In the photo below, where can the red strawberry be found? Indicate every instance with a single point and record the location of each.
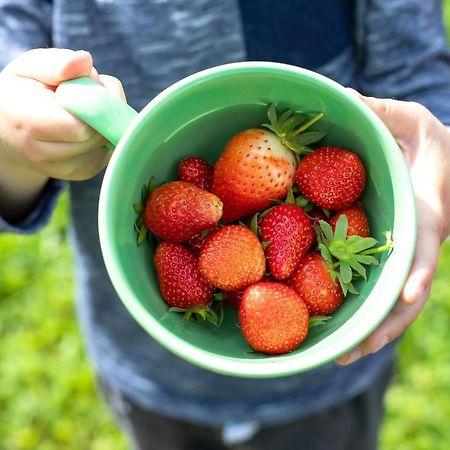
(178, 211)
(357, 220)
(290, 234)
(197, 171)
(312, 281)
(232, 258)
(196, 243)
(273, 318)
(331, 177)
(315, 214)
(233, 298)
(180, 282)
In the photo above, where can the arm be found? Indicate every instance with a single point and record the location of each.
(425, 143)
(39, 140)
(403, 54)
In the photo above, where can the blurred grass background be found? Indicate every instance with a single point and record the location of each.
(48, 399)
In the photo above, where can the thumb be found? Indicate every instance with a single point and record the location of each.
(401, 118)
(51, 66)
(113, 85)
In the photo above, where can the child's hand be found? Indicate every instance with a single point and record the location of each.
(425, 143)
(38, 139)
(34, 130)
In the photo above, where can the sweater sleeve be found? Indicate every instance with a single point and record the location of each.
(24, 24)
(403, 52)
(40, 214)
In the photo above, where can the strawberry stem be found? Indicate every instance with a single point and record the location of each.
(307, 125)
(290, 125)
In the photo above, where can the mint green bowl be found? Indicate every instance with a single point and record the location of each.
(196, 116)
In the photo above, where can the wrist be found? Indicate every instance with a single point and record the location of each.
(20, 188)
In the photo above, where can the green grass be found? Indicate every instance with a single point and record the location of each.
(47, 394)
(48, 399)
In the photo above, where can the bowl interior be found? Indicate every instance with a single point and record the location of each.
(197, 117)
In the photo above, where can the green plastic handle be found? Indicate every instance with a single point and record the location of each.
(94, 105)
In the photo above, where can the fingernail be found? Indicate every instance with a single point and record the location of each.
(353, 356)
(384, 341)
(413, 288)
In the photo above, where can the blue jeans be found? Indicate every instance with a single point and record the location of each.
(352, 425)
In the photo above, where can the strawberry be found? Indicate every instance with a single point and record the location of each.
(232, 258)
(289, 234)
(179, 279)
(258, 166)
(315, 214)
(178, 211)
(357, 220)
(233, 298)
(331, 177)
(313, 281)
(197, 171)
(273, 318)
(196, 243)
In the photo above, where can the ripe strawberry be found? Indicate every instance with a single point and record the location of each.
(357, 220)
(196, 243)
(315, 214)
(197, 171)
(178, 211)
(331, 177)
(290, 235)
(258, 166)
(180, 282)
(232, 258)
(313, 282)
(233, 298)
(273, 318)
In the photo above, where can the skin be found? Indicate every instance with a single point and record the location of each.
(39, 140)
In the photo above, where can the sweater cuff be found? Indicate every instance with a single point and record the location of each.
(40, 215)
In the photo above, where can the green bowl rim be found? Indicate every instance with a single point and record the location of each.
(355, 328)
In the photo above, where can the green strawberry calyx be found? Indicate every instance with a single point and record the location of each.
(291, 128)
(201, 313)
(141, 230)
(346, 256)
(318, 320)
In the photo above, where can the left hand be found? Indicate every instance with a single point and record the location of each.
(425, 143)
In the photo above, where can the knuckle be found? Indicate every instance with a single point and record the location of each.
(83, 132)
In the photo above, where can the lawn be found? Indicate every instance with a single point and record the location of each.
(47, 394)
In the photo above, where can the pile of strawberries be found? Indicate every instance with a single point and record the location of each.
(275, 229)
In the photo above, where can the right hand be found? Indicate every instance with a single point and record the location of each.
(35, 133)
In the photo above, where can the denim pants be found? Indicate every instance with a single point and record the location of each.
(352, 425)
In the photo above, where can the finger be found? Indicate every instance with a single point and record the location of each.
(113, 85)
(34, 115)
(51, 66)
(426, 255)
(401, 118)
(81, 167)
(57, 151)
(392, 327)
